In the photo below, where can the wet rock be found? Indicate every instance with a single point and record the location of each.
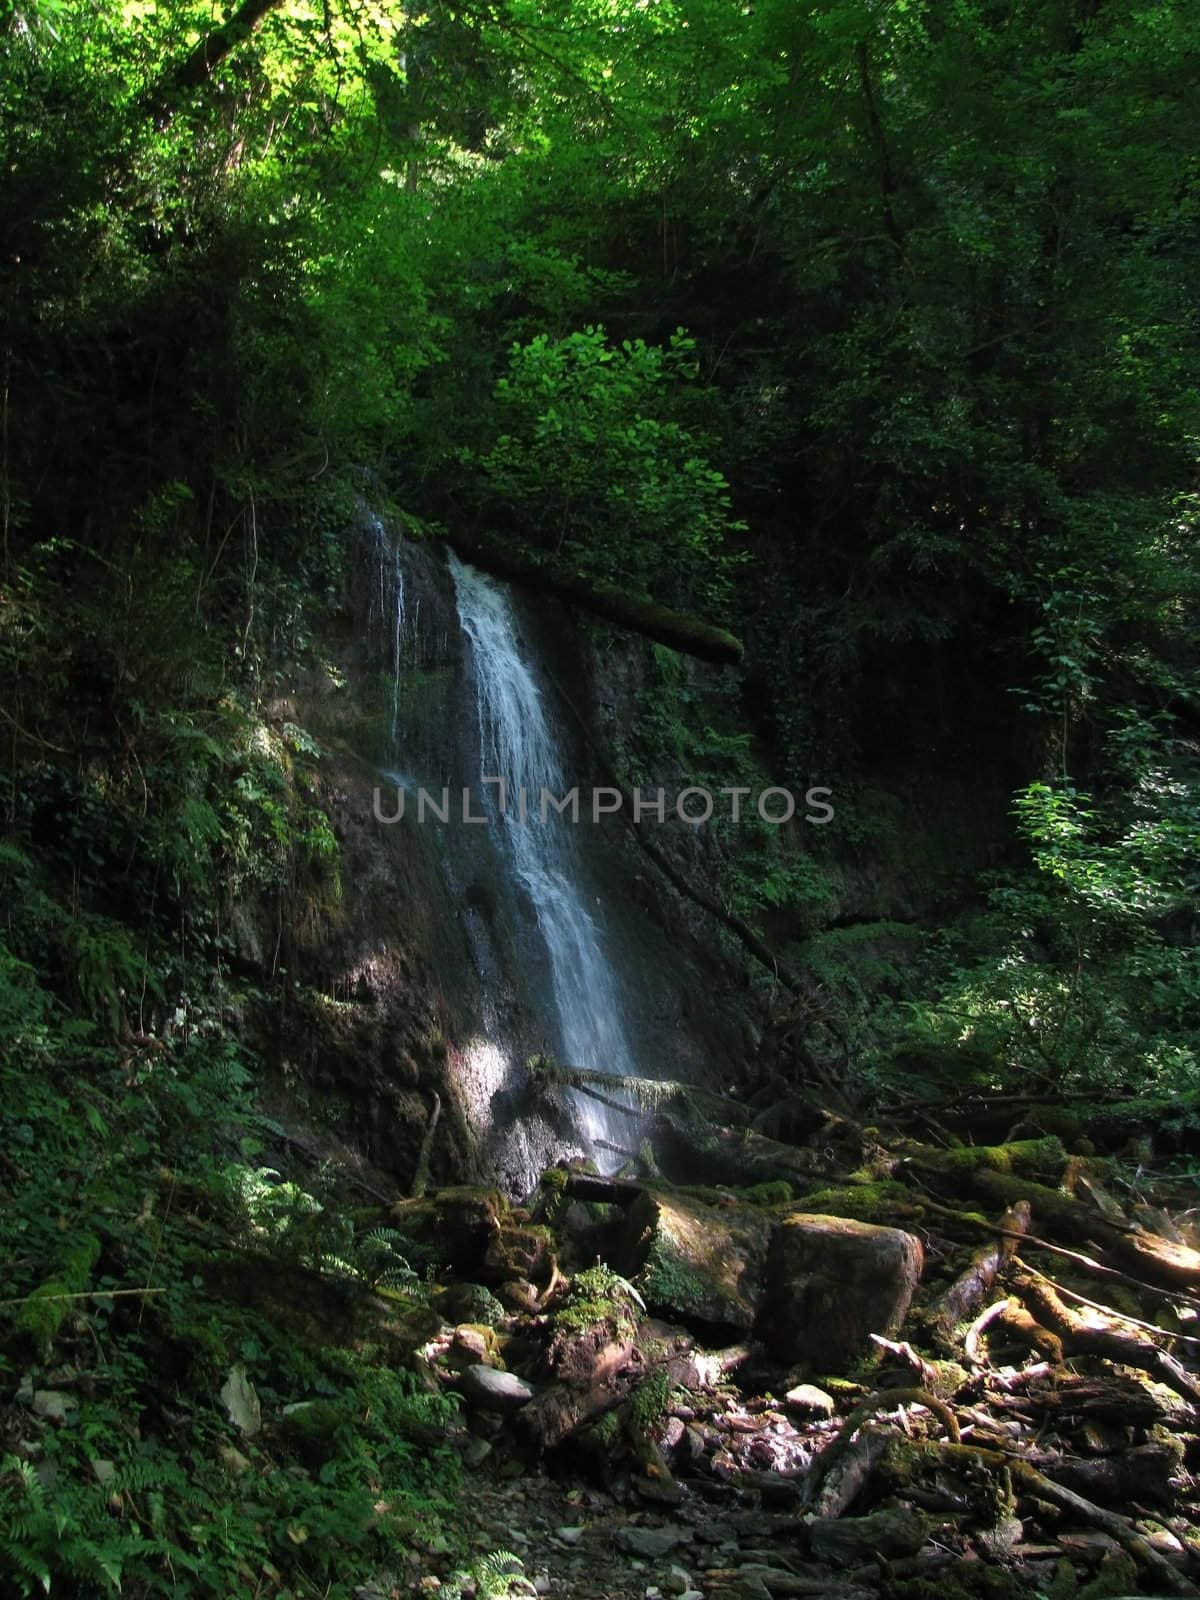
(496, 1391)
(832, 1283)
(696, 1263)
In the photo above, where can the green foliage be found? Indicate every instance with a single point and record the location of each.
(492, 1577)
(599, 1294)
(1081, 973)
(589, 463)
(108, 1192)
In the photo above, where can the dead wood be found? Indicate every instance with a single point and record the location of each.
(1087, 1335)
(971, 1287)
(1031, 1481)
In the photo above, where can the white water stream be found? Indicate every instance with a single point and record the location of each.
(517, 744)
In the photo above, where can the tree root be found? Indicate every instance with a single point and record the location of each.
(1033, 1482)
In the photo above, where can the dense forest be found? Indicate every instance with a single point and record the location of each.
(817, 389)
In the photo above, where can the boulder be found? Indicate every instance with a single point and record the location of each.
(497, 1391)
(696, 1263)
(832, 1282)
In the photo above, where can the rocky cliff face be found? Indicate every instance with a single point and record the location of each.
(423, 989)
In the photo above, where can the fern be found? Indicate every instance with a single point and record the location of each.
(490, 1578)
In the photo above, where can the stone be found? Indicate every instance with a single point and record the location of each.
(496, 1391)
(832, 1282)
(470, 1302)
(517, 1255)
(650, 1544)
(53, 1404)
(695, 1263)
(569, 1535)
(809, 1401)
(677, 1581)
(476, 1452)
(519, 1295)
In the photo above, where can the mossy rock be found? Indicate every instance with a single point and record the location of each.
(696, 1263)
(519, 1254)
(470, 1302)
(832, 1283)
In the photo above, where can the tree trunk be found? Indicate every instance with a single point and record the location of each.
(195, 70)
(633, 612)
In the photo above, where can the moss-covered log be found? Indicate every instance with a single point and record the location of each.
(965, 1295)
(1044, 1158)
(635, 613)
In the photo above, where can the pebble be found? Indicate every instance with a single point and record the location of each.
(677, 1581)
(569, 1535)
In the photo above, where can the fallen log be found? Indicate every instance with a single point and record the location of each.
(970, 1288)
(1146, 1473)
(1171, 1265)
(1112, 1342)
(1032, 1482)
(634, 613)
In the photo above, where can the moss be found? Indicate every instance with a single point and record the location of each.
(667, 1281)
(597, 1295)
(1023, 1156)
(648, 1403)
(777, 1193)
(1064, 1585)
(965, 1580)
(606, 1430)
(880, 1201)
(1118, 1576)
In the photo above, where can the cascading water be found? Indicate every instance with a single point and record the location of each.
(387, 604)
(516, 744)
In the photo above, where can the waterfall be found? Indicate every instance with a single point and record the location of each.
(387, 603)
(516, 743)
